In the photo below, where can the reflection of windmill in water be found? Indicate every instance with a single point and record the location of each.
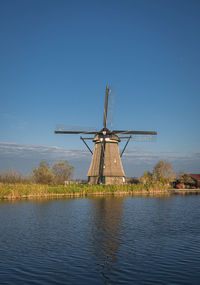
(106, 166)
(107, 217)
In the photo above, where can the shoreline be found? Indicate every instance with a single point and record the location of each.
(185, 191)
(11, 192)
(81, 195)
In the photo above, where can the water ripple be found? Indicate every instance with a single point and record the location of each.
(101, 241)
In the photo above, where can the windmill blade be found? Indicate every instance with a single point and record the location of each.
(144, 138)
(106, 106)
(101, 164)
(61, 129)
(74, 132)
(152, 133)
(111, 99)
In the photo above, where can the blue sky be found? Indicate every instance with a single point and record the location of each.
(56, 57)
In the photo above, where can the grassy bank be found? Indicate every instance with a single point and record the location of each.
(19, 191)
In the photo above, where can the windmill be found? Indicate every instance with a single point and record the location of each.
(106, 166)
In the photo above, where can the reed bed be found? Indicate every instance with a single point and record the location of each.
(20, 191)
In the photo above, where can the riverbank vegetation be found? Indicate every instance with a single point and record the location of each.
(18, 191)
(47, 182)
(60, 172)
(50, 182)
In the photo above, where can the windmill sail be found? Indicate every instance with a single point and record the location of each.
(106, 166)
(106, 106)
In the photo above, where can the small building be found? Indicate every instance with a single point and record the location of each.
(196, 177)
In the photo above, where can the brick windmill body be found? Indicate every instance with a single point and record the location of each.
(106, 166)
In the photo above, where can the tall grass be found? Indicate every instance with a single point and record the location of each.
(18, 191)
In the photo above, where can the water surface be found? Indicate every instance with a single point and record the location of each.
(106, 240)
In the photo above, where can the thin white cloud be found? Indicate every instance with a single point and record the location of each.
(15, 149)
(135, 161)
(28, 151)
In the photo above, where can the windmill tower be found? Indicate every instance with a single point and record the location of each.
(106, 166)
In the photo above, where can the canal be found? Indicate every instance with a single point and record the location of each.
(103, 240)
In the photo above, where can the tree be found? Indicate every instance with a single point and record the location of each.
(163, 172)
(12, 176)
(43, 173)
(62, 171)
(147, 178)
